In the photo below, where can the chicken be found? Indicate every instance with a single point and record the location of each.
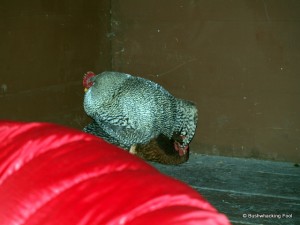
(161, 149)
(133, 111)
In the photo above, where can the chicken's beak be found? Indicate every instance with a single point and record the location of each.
(85, 90)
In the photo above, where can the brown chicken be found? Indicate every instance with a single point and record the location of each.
(162, 150)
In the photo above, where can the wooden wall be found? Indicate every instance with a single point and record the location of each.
(237, 60)
(46, 47)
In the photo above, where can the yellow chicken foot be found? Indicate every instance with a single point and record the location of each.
(132, 150)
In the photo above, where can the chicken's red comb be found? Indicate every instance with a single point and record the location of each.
(87, 83)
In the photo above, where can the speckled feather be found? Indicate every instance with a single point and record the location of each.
(133, 110)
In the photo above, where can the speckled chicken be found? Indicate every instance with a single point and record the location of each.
(133, 110)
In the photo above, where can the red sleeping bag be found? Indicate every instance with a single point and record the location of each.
(54, 175)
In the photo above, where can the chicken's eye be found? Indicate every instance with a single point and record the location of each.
(93, 79)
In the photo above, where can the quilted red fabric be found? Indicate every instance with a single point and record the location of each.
(54, 175)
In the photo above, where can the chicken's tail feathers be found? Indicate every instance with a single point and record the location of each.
(187, 118)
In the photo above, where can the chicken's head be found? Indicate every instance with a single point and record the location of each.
(178, 139)
(87, 80)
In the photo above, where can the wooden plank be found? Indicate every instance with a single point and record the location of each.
(248, 191)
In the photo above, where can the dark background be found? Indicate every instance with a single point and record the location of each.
(238, 60)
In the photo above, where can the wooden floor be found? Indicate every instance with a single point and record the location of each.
(248, 191)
